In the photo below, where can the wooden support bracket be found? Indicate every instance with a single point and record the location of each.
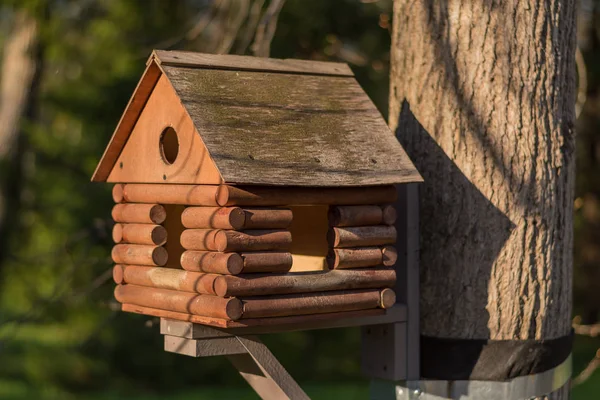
(253, 360)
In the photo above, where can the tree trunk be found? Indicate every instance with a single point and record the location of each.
(482, 97)
(19, 86)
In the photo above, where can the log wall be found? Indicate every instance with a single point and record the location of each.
(195, 250)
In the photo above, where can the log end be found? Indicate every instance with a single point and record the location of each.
(234, 309)
(118, 193)
(332, 259)
(222, 195)
(158, 214)
(237, 218)
(389, 215)
(390, 256)
(199, 239)
(118, 293)
(117, 233)
(220, 286)
(387, 298)
(220, 240)
(160, 256)
(235, 263)
(118, 274)
(114, 253)
(158, 235)
(333, 238)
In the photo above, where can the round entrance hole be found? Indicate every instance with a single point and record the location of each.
(169, 145)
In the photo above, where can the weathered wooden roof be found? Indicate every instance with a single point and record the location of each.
(280, 122)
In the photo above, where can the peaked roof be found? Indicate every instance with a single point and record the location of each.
(274, 122)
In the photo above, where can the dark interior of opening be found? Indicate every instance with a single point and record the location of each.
(169, 145)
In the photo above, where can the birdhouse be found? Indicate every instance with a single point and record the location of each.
(253, 192)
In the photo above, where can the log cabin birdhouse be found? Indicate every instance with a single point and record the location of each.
(253, 191)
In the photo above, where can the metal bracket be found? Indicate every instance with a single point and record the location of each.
(521, 388)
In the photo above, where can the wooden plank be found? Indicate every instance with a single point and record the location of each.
(169, 194)
(291, 130)
(181, 316)
(408, 284)
(282, 324)
(203, 348)
(264, 373)
(128, 120)
(385, 355)
(299, 196)
(392, 351)
(142, 158)
(246, 63)
(269, 284)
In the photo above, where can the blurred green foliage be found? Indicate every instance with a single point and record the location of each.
(61, 334)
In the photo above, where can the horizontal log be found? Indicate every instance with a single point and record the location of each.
(236, 218)
(253, 240)
(316, 303)
(139, 234)
(165, 278)
(192, 195)
(213, 217)
(362, 236)
(358, 257)
(182, 302)
(267, 218)
(266, 261)
(389, 256)
(139, 213)
(268, 284)
(355, 215)
(199, 239)
(212, 261)
(270, 196)
(139, 254)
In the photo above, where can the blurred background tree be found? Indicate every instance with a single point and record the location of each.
(68, 68)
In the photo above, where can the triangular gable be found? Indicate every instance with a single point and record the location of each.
(142, 158)
(128, 120)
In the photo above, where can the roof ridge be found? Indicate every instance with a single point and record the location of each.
(177, 58)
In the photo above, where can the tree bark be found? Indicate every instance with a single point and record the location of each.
(19, 87)
(482, 97)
